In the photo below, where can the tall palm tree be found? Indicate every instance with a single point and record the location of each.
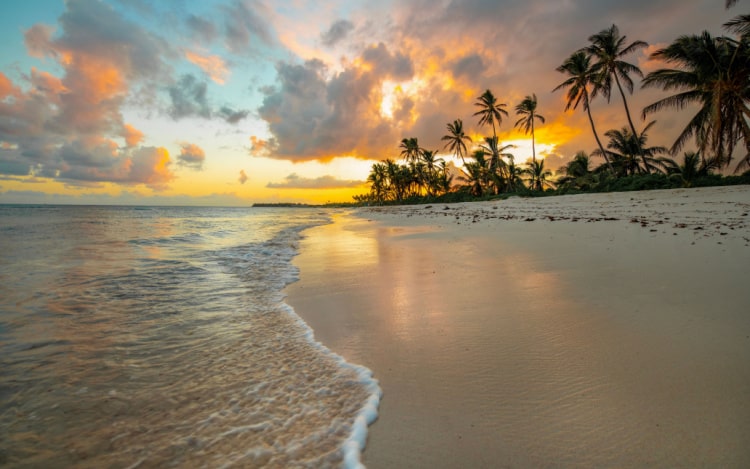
(527, 109)
(714, 73)
(490, 110)
(410, 149)
(578, 68)
(608, 48)
(455, 139)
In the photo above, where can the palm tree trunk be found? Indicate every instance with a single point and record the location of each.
(596, 136)
(636, 136)
(533, 149)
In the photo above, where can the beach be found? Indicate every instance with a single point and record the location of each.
(592, 330)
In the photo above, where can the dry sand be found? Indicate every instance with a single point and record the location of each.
(597, 330)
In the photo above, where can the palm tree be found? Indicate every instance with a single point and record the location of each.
(474, 174)
(739, 25)
(455, 138)
(578, 67)
(608, 48)
(693, 166)
(444, 178)
(378, 179)
(399, 178)
(410, 150)
(538, 176)
(491, 111)
(514, 175)
(496, 168)
(527, 108)
(431, 163)
(713, 73)
(626, 150)
(577, 173)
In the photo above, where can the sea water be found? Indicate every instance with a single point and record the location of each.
(158, 336)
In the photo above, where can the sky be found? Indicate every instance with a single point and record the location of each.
(234, 102)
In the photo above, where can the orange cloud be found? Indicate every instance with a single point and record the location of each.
(132, 135)
(47, 85)
(258, 146)
(7, 88)
(213, 65)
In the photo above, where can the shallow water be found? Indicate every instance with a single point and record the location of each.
(144, 337)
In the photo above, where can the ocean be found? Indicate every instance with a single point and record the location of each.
(158, 336)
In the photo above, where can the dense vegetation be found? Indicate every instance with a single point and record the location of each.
(709, 73)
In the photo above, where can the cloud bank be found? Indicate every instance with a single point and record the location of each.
(295, 181)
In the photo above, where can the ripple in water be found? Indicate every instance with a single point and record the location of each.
(160, 338)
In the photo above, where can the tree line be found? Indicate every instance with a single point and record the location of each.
(707, 72)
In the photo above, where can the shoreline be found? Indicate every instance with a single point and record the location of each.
(594, 329)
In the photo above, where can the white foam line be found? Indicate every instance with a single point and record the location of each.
(368, 413)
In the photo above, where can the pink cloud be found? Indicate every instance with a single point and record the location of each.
(212, 65)
(131, 135)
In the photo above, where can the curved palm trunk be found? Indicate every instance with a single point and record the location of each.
(596, 136)
(632, 127)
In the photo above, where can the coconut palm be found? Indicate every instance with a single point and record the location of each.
(474, 174)
(455, 139)
(527, 109)
(515, 175)
(431, 163)
(538, 176)
(630, 155)
(714, 73)
(410, 149)
(693, 166)
(490, 110)
(739, 25)
(608, 48)
(496, 167)
(578, 68)
(444, 178)
(577, 173)
(378, 179)
(399, 178)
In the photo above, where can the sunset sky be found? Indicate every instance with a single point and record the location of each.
(231, 102)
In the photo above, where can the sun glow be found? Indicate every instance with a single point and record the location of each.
(522, 150)
(396, 96)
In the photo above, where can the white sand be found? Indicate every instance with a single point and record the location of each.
(578, 342)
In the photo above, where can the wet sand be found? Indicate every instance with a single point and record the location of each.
(576, 331)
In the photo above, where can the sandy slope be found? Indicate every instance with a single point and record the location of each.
(588, 330)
